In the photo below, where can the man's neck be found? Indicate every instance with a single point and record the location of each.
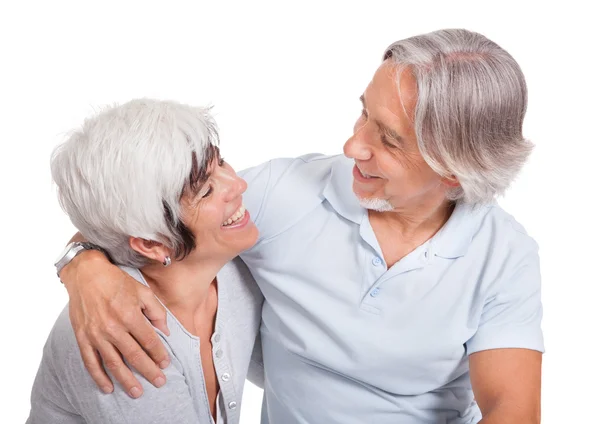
(415, 222)
(399, 232)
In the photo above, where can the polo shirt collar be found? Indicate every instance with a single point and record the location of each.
(454, 238)
(338, 191)
(451, 241)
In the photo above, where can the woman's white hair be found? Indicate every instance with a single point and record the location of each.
(469, 113)
(124, 172)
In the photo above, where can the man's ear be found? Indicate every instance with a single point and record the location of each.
(451, 181)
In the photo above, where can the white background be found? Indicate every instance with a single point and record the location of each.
(285, 80)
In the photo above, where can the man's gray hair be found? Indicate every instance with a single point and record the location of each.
(124, 172)
(469, 113)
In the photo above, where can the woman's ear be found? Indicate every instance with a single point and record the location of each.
(149, 248)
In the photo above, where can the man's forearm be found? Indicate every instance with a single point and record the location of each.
(506, 415)
(67, 274)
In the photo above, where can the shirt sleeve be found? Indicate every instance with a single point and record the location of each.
(258, 197)
(512, 312)
(258, 179)
(62, 367)
(281, 190)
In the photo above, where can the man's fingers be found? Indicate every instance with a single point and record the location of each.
(93, 363)
(154, 311)
(138, 359)
(116, 367)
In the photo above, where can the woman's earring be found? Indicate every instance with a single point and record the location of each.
(167, 261)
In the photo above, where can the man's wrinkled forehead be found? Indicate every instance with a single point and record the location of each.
(394, 88)
(393, 92)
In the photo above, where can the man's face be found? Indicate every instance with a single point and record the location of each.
(390, 172)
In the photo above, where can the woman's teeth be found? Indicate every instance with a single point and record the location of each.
(235, 217)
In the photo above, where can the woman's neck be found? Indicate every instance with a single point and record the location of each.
(183, 285)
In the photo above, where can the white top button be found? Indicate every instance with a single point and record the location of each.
(376, 261)
(232, 405)
(225, 377)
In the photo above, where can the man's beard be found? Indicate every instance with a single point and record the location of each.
(378, 205)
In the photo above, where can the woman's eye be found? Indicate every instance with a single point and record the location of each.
(364, 113)
(221, 161)
(208, 192)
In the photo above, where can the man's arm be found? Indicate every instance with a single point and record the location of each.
(256, 369)
(507, 385)
(505, 353)
(109, 312)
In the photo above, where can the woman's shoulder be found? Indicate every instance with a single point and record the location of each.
(61, 346)
(238, 282)
(240, 301)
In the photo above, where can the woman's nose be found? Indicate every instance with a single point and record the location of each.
(234, 186)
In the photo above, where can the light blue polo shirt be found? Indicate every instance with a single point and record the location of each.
(346, 340)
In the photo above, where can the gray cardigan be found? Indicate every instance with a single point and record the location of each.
(63, 391)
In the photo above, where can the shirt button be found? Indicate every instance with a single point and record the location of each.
(219, 353)
(216, 338)
(376, 261)
(225, 377)
(232, 405)
(375, 292)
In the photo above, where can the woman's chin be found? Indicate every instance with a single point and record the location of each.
(243, 240)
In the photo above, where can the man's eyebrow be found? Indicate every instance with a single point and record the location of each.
(388, 131)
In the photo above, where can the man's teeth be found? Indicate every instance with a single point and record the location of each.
(236, 216)
(363, 174)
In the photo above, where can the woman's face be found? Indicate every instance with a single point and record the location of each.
(216, 215)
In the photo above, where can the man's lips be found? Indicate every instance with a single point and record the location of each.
(365, 177)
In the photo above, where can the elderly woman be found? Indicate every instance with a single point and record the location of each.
(396, 289)
(145, 182)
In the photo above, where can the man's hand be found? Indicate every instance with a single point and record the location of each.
(108, 311)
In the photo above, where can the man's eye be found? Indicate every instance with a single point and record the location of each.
(364, 113)
(221, 161)
(387, 142)
(208, 192)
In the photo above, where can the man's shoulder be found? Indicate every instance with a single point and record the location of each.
(308, 171)
(284, 190)
(502, 244)
(500, 225)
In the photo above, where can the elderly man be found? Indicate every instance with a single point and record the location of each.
(396, 289)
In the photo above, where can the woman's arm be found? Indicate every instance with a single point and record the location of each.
(109, 312)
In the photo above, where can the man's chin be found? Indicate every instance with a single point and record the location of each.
(375, 204)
